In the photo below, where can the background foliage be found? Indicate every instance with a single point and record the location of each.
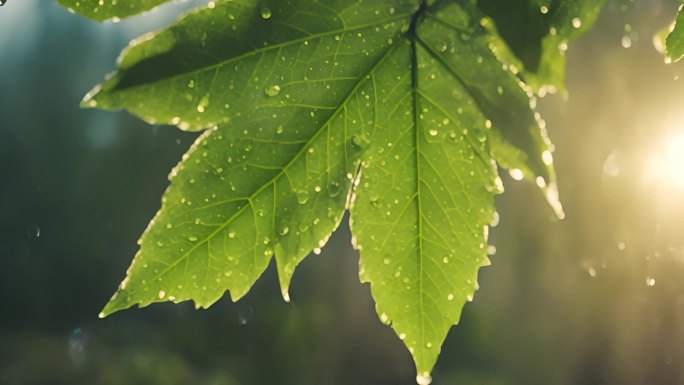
(82, 184)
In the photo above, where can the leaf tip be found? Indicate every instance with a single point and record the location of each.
(89, 100)
(424, 378)
(552, 197)
(286, 295)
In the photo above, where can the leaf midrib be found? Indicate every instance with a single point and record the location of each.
(362, 80)
(254, 52)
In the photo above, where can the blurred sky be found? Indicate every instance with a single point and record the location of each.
(597, 298)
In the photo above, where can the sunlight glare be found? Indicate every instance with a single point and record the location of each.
(674, 163)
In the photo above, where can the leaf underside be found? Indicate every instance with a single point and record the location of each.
(398, 110)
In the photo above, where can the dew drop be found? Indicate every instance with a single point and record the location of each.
(265, 13)
(334, 189)
(273, 90)
(576, 23)
(424, 379)
(302, 197)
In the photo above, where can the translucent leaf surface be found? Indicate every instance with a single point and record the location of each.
(399, 109)
(294, 115)
(109, 9)
(538, 32)
(675, 40)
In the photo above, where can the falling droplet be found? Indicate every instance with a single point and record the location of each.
(424, 379)
(245, 314)
(33, 232)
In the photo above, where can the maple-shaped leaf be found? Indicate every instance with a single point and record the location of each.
(397, 109)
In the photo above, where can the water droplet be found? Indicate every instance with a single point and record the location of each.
(424, 379)
(516, 174)
(273, 90)
(650, 282)
(265, 13)
(302, 197)
(162, 294)
(450, 297)
(284, 230)
(245, 314)
(231, 234)
(611, 167)
(334, 189)
(33, 232)
(192, 239)
(77, 342)
(576, 22)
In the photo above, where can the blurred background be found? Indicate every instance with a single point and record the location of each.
(597, 298)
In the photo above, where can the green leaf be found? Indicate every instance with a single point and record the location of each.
(537, 33)
(294, 112)
(675, 40)
(109, 9)
(397, 109)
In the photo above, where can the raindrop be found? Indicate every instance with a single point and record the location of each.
(650, 282)
(424, 379)
(266, 13)
(611, 167)
(302, 197)
(77, 343)
(273, 90)
(33, 232)
(576, 22)
(516, 174)
(334, 189)
(245, 314)
(626, 41)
